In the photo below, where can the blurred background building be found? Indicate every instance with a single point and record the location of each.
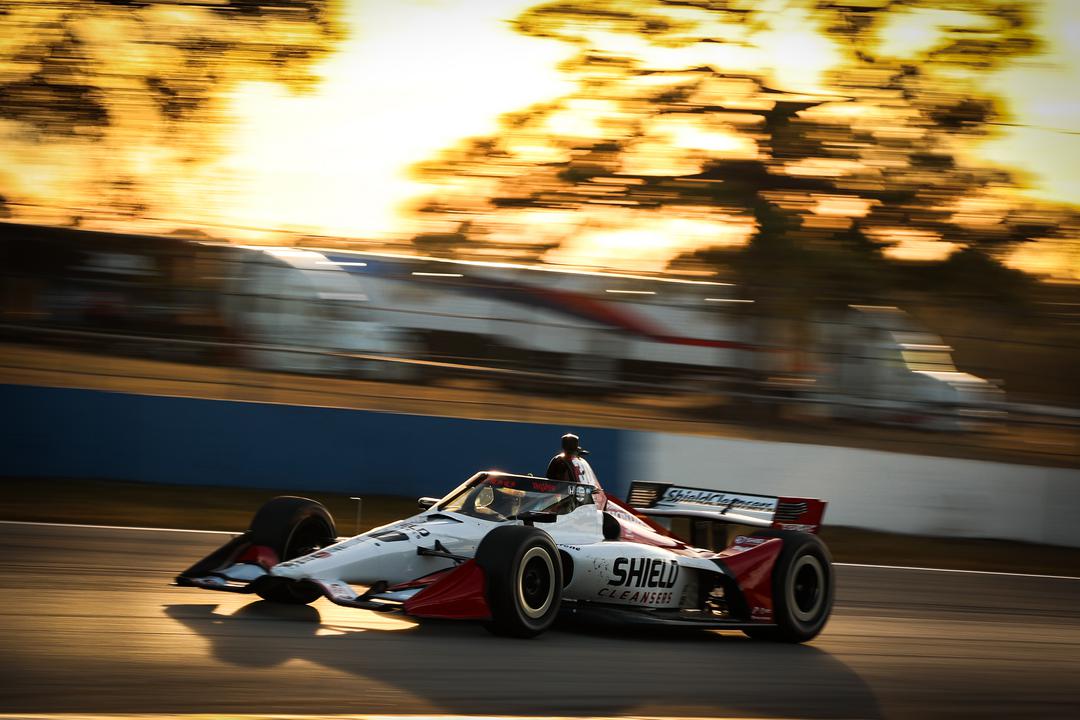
(818, 216)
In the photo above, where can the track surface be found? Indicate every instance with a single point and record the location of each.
(88, 623)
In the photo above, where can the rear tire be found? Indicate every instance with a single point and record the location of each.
(523, 573)
(291, 527)
(802, 588)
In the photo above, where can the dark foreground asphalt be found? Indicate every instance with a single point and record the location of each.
(88, 623)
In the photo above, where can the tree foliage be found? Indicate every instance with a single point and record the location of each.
(75, 67)
(679, 110)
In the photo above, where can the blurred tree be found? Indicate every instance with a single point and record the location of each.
(682, 109)
(109, 93)
(71, 67)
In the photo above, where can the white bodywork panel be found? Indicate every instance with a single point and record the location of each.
(617, 572)
(627, 573)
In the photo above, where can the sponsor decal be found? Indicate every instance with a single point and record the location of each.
(346, 544)
(321, 554)
(798, 527)
(419, 530)
(575, 548)
(644, 597)
(623, 515)
(760, 613)
(497, 481)
(644, 572)
(743, 543)
(725, 500)
(540, 486)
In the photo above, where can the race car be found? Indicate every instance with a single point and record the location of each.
(517, 551)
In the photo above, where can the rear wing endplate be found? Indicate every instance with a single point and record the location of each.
(784, 513)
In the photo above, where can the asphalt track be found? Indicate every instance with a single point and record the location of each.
(89, 624)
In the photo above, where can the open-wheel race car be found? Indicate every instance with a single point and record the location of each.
(515, 551)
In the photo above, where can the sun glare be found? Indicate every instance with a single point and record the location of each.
(1041, 134)
(643, 241)
(412, 79)
(907, 244)
(915, 30)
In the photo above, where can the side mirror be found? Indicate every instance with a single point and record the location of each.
(426, 502)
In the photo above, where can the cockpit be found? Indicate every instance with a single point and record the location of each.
(500, 498)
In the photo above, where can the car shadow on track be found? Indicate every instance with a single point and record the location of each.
(458, 668)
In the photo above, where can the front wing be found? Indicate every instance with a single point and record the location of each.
(240, 566)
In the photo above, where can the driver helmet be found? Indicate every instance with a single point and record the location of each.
(571, 445)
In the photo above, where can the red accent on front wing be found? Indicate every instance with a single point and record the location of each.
(421, 581)
(258, 555)
(753, 571)
(458, 595)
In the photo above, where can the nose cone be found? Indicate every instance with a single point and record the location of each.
(318, 563)
(329, 561)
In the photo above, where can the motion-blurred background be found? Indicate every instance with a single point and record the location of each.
(364, 248)
(848, 222)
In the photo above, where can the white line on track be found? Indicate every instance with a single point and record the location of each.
(227, 532)
(117, 527)
(952, 570)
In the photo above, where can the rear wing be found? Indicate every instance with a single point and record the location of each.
(784, 513)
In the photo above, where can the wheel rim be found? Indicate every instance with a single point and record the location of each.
(536, 582)
(806, 588)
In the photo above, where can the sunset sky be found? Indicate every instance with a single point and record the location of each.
(412, 78)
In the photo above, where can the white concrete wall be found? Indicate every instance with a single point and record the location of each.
(873, 489)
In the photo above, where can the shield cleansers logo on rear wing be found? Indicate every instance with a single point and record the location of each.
(787, 513)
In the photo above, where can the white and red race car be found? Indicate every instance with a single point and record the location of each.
(479, 553)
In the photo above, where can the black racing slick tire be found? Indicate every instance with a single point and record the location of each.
(523, 574)
(803, 586)
(291, 527)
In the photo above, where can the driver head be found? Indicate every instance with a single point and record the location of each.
(571, 445)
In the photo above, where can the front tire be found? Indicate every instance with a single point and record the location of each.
(291, 527)
(523, 571)
(802, 587)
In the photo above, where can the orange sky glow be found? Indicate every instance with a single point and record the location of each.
(412, 78)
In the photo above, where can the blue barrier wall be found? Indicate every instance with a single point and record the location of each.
(93, 434)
